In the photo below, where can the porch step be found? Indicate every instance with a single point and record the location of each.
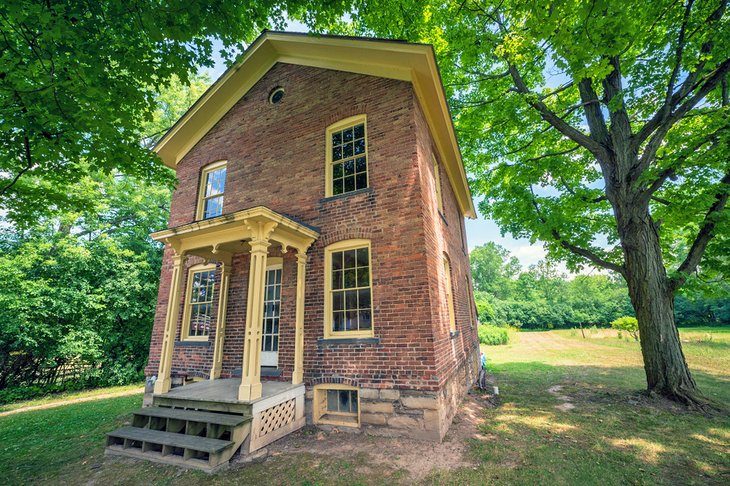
(190, 438)
(181, 441)
(227, 420)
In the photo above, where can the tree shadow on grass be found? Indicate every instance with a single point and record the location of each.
(594, 425)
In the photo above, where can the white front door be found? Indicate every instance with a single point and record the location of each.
(272, 311)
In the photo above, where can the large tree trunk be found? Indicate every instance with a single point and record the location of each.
(652, 297)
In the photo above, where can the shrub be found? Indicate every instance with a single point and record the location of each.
(493, 335)
(628, 324)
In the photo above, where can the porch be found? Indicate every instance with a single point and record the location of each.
(251, 231)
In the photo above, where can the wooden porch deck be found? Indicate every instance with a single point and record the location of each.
(225, 391)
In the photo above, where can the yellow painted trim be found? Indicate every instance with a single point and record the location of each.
(341, 246)
(185, 331)
(335, 127)
(319, 411)
(415, 63)
(273, 263)
(202, 183)
(449, 293)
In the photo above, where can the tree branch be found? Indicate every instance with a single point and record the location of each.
(592, 110)
(558, 123)
(707, 231)
(585, 253)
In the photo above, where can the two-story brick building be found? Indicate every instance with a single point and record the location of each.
(315, 265)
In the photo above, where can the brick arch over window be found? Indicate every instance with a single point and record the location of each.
(345, 233)
(346, 112)
(336, 380)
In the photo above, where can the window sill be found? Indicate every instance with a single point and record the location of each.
(270, 372)
(339, 420)
(193, 344)
(347, 194)
(351, 340)
(453, 334)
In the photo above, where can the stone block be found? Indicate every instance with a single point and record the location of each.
(405, 422)
(373, 418)
(368, 394)
(376, 407)
(389, 394)
(420, 402)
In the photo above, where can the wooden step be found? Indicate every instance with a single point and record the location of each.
(194, 416)
(182, 441)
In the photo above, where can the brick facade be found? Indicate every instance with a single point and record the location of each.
(276, 158)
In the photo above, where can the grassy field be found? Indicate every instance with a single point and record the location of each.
(571, 413)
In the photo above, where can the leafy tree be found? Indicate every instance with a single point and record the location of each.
(598, 128)
(78, 81)
(628, 324)
(493, 269)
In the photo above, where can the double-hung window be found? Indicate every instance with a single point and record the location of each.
(198, 314)
(347, 158)
(212, 190)
(348, 290)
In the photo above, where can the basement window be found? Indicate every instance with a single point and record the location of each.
(337, 404)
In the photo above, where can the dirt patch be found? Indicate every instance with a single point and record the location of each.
(418, 458)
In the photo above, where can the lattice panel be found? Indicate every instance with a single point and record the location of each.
(276, 417)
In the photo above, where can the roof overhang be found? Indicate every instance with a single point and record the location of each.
(226, 235)
(415, 63)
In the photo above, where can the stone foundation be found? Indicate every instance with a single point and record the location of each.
(425, 415)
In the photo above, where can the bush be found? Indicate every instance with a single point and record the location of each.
(493, 335)
(628, 324)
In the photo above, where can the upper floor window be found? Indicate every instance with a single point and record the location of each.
(437, 183)
(347, 159)
(348, 284)
(212, 189)
(198, 314)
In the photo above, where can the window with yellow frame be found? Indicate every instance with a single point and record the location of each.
(212, 191)
(198, 313)
(336, 404)
(449, 293)
(347, 156)
(348, 290)
(437, 183)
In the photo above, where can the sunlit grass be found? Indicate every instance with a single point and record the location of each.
(69, 396)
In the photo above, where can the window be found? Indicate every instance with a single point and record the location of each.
(347, 164)
(437, 183)
(337, 405)
(348, 283)
(212, 188)
(449, 293)
(198, 314)
(272, 313)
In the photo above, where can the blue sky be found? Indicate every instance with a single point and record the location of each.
(479, 231)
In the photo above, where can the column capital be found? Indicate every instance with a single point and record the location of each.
(179, 258)
(301, 257)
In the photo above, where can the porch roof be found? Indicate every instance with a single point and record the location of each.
(230, 233)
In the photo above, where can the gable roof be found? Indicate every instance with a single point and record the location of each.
(400, 60)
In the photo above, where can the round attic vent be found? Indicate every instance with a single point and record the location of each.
(276, 95)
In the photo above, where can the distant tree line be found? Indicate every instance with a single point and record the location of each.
(542, 297)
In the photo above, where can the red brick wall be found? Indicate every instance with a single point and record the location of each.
(445, 234)
(276, 158)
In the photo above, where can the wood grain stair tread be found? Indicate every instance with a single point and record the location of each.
(194, 416)
(194, 442)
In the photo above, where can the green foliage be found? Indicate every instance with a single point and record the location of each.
(79, 83)
(493, 335)
(79, 289)
(628, 324)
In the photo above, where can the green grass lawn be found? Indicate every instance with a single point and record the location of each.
(612, 435)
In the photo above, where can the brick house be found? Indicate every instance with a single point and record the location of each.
(316, 254)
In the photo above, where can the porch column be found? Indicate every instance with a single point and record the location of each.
(220, 331)
(162, 385)
(298, 374)
(250, 388)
